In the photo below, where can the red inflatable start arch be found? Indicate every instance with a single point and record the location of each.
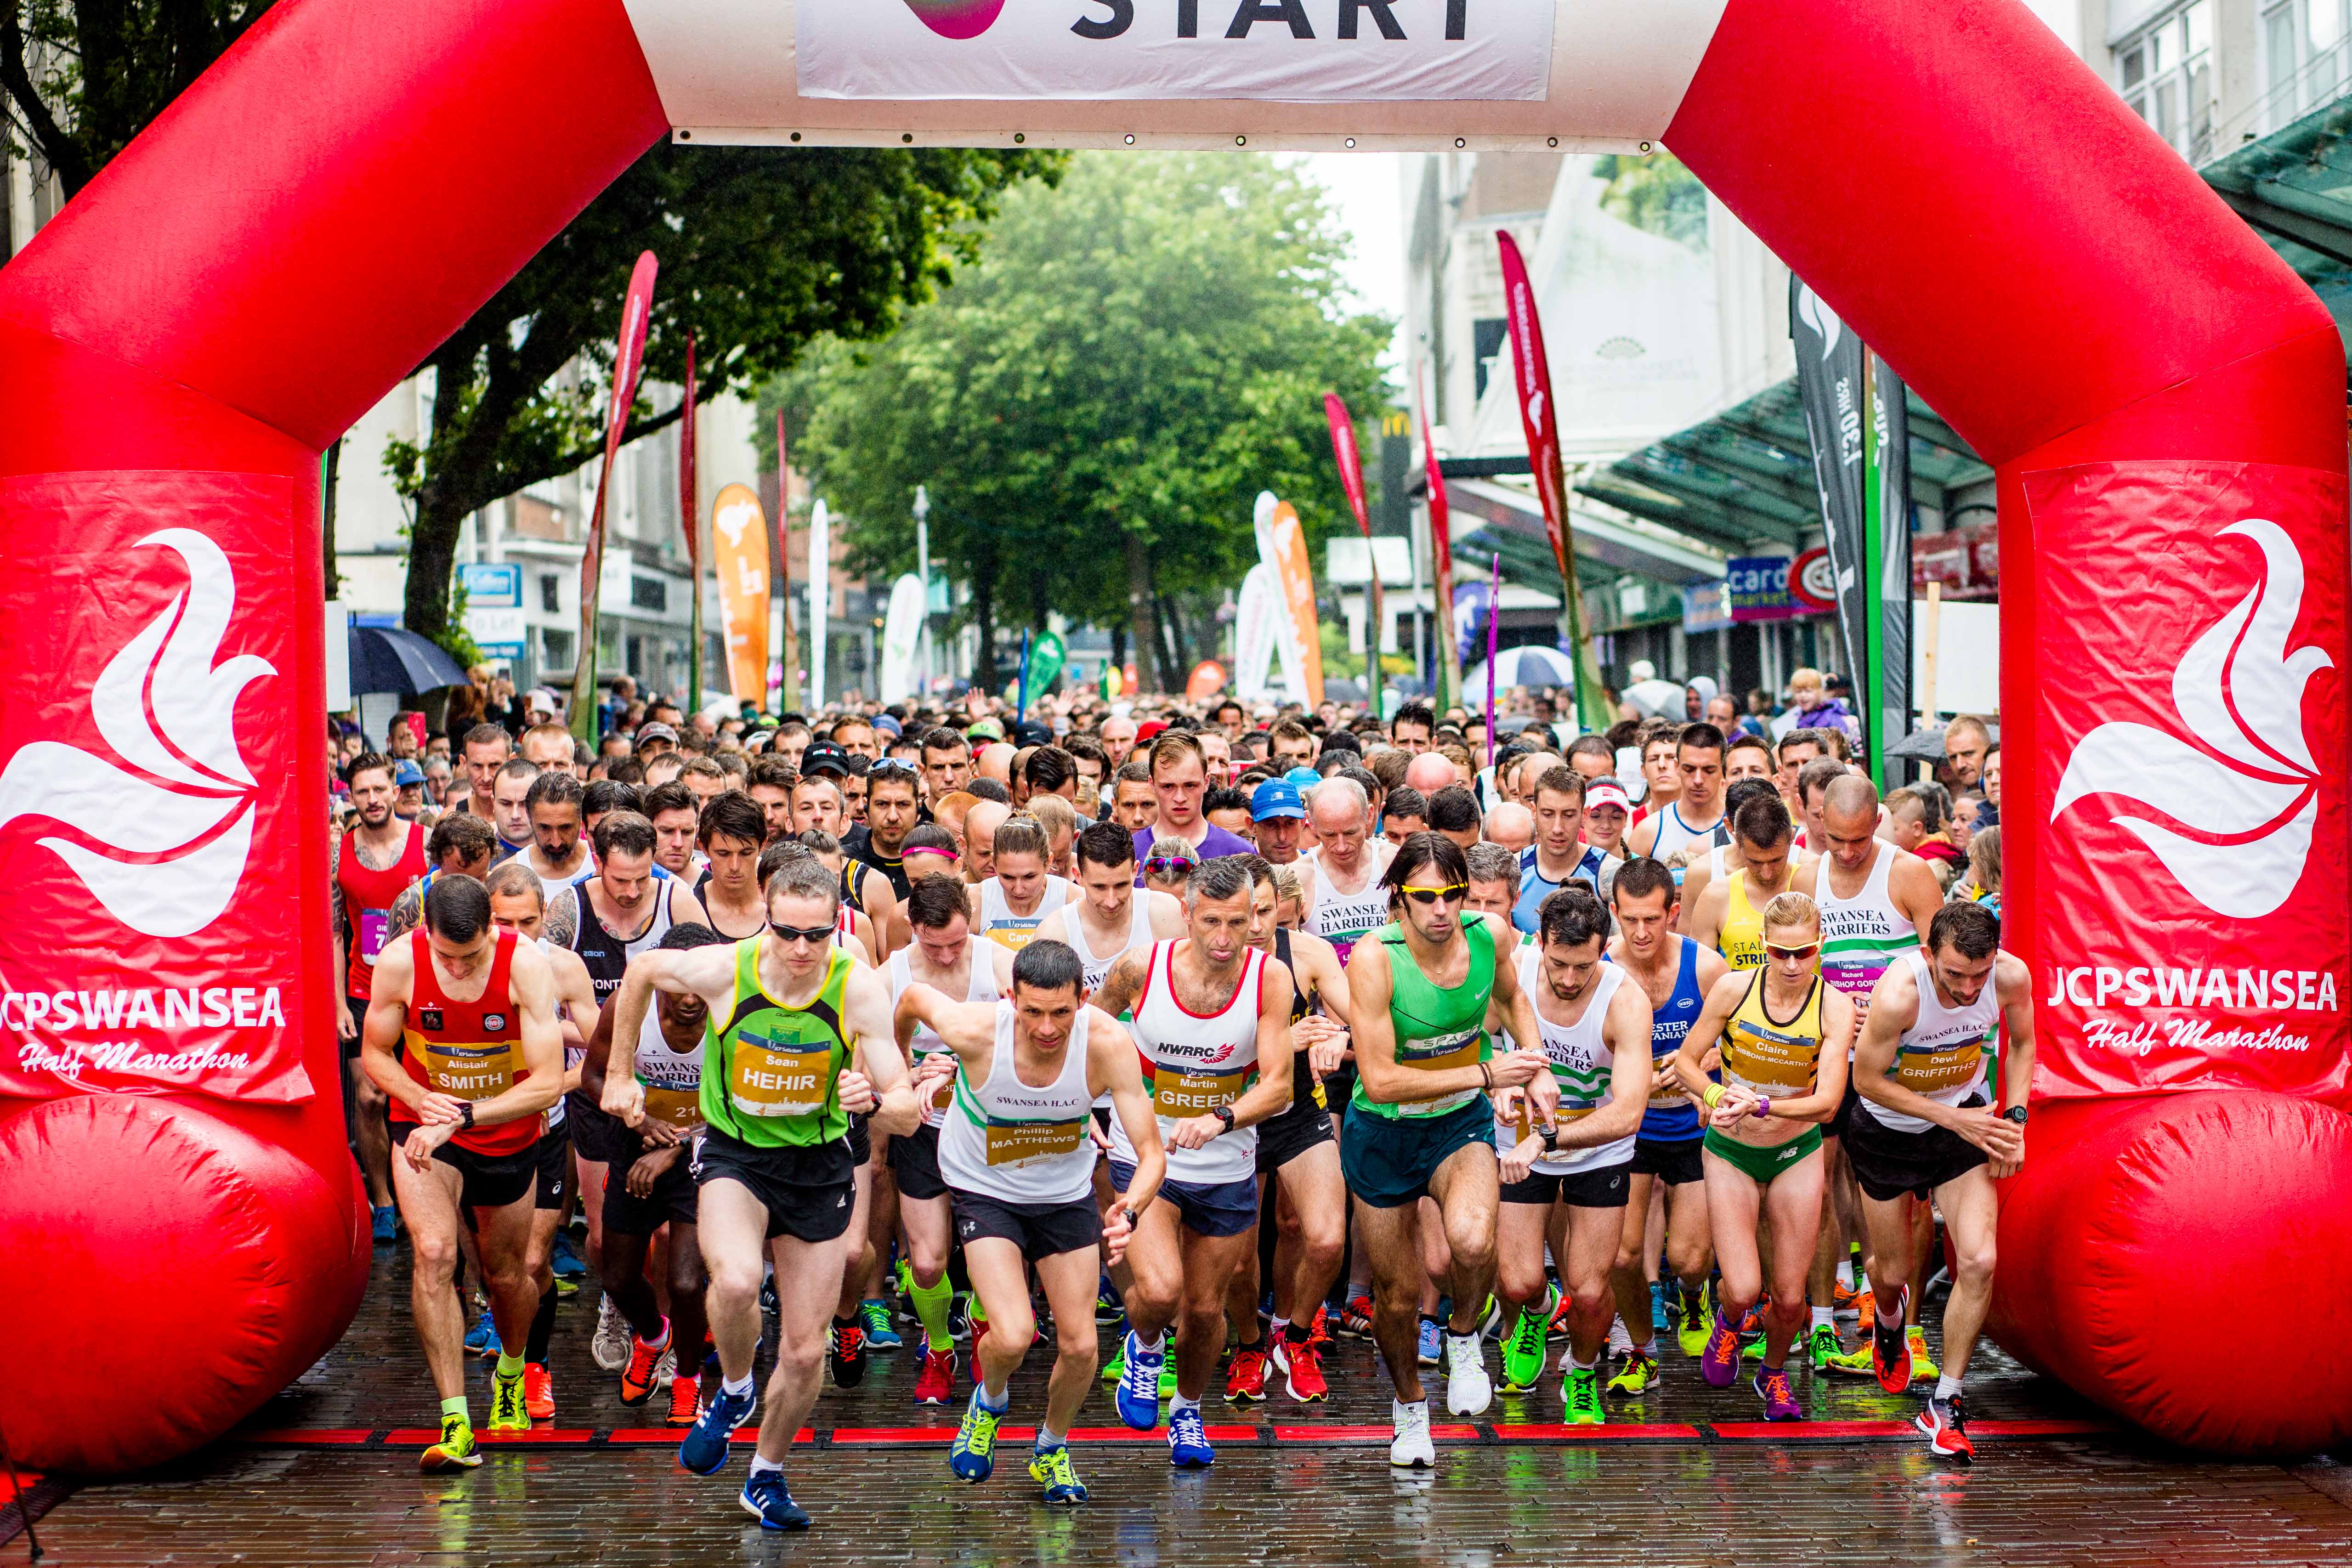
(2163, 399)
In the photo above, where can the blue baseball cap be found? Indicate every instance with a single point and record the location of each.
(405, 774)
(1302, 779)
(1276, 798)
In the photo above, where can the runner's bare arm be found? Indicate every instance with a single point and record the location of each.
(1830, 1075)
(575, 994)
(1704, 923)
(595, 1064)
(1055, 928)
(344, 1028)
(1644, 838)
(881, 908)
(1722, 999)
(387, 1016)
(406, 910)
(878, 1071)
(1524, 1065)
(1117, 994)
(562, 923)
(684, 907)
(1698, 881)
(1112, 1069)
(1913, 889)
(1270, 1095)
(1626, 1028)
(2016, 983)
(530, 984)
(969, 1028)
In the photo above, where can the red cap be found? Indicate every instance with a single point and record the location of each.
(1147, 728)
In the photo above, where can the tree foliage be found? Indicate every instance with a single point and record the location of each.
(762, 250)
(1657, 194)
(1095, 407)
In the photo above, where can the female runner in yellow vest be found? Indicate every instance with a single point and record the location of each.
(1784, 1037)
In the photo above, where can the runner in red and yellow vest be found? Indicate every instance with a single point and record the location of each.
(469, 1087)
(364, 896)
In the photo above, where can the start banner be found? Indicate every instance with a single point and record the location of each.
(148, 798)
(2185, 909)
(1307, 51)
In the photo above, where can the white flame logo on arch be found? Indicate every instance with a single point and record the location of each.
(2254, 794)
(167, 711)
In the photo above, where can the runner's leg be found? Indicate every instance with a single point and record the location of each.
(732, 1231)
(1629, 1280)
(1585, 1241)
(371, 1135)
(1209, 1262)
(1069, 1279)
(1733, 1200)
(1388, 1243)
(503, 1235)
(808, 1283)
(1971, 1215)
(1795, 1202)
(1001, 1279)
(1467, 1188)
(1314, 1219)
(428, 1207)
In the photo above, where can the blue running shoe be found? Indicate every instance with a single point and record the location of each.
(567, 1264)
(1051, 1468)
(972, 1455)
(1187, 1444)
(1658, 1323)
(767, 1498)
(482, 1339)
(385, 1222)
(704, 1452)
(1138, 1385)
(1429, 1342)
(875, 1315)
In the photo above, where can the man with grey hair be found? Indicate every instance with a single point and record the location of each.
(1339, 877)
(1210, 1012)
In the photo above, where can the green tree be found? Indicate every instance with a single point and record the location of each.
(761, 251)
(1096, 404)
(1657, 194)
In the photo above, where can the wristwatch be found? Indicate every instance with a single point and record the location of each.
(1551, 1140)
(465, 1112)
(1130, 1216)
(1223, 1114)
(2014, 1114)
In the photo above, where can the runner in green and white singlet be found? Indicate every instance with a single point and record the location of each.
(1420, 1122)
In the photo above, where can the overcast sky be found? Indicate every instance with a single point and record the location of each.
(1363, 186)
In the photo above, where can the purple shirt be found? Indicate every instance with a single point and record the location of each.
(1218, 842)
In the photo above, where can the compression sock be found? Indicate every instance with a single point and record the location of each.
(931, 1304)
(542, 1326)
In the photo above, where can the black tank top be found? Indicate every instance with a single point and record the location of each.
(701, 897)
(1303, 1087)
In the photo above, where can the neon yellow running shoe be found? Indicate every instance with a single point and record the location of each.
(972, 1455)
(1581, 1391)
(1524, 1353)
(455, 1451)
(1051, 1468)
(1921, 1367)
(1692, 1334)
(508, 1413)
(1640, 1371)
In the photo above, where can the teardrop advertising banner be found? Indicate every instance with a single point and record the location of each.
(739, 531)
(1256, 614)
(902, 627)
(1208, 679)
(1282, 544)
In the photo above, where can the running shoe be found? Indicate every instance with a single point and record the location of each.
(704, 1452)
(1947, 1427)
(1318, 1334)
(682, 1406)
(1772, 1386)
(1719, 1363)
(1491, 1323)
(1410, 1447)
(1692, 1334)
(1847, 1302)
(1108, 1309)
(935, 1382)
(611, 1345)
(1468, 1389)
(1823, 1346)
(1051, 1468)
(508, 1413)
(566, 1262)
(1245, 1378)
(1138, 1385)
(1640, 1371)
(455, 1451)
(482, 1339)
(1751, 1332)
(637, 1377)
(767, 1498)
(1430, 1346)
(960, 1316)
(385, 1224)
(1556, 1305)
(1855, 1363)
(845, 1352)
(666, 1367)
(1658, 1323)
(768, 1306)
(1922, 1364)
(1356, 1322)
(1188, 1441)
(972, 1455)
(1116, 1367)
(1524, 1354)
(1302, 1367)
(1580, 1392)
(1890, 1350)
(538, 1391)
(875, 1314)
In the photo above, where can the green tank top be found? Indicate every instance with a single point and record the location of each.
(1436, 1028)
(771, 1075)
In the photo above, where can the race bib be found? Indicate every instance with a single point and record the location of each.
(1019, 1143)
(470, 1072)
(1198, 1093)
(1930, 1071)
(679, 1107)
(374, 924)
(764, 1081)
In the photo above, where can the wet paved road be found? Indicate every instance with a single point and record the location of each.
(1298, 1488)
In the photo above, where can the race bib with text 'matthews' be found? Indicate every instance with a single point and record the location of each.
(1019, 1143)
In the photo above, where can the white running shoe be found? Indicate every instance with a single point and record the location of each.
(1468, 1389)
(665, 1369)
(1411, 1448)
(611, 1345)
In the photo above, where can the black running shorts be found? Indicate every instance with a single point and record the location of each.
(915, 1164)
(1604, 1187)
(1888, 1163)
(806, 1188)
(1041, 1230)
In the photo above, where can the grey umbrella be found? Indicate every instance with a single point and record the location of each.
(395, 660)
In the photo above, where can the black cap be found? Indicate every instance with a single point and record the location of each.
(823, 756)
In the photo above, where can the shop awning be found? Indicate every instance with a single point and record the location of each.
(2294, 187)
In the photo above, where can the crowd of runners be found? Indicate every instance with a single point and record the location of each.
(1182, 1037)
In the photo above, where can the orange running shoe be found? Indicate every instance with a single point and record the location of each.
(538, 1391)
(637, 1377)
(1319, 1332)
(682, 1406)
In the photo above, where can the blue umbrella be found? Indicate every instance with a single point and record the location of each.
(391, 659)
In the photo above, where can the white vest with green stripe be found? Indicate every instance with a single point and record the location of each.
(1582, 1063)
(1017, 1144)
(1862, 935)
